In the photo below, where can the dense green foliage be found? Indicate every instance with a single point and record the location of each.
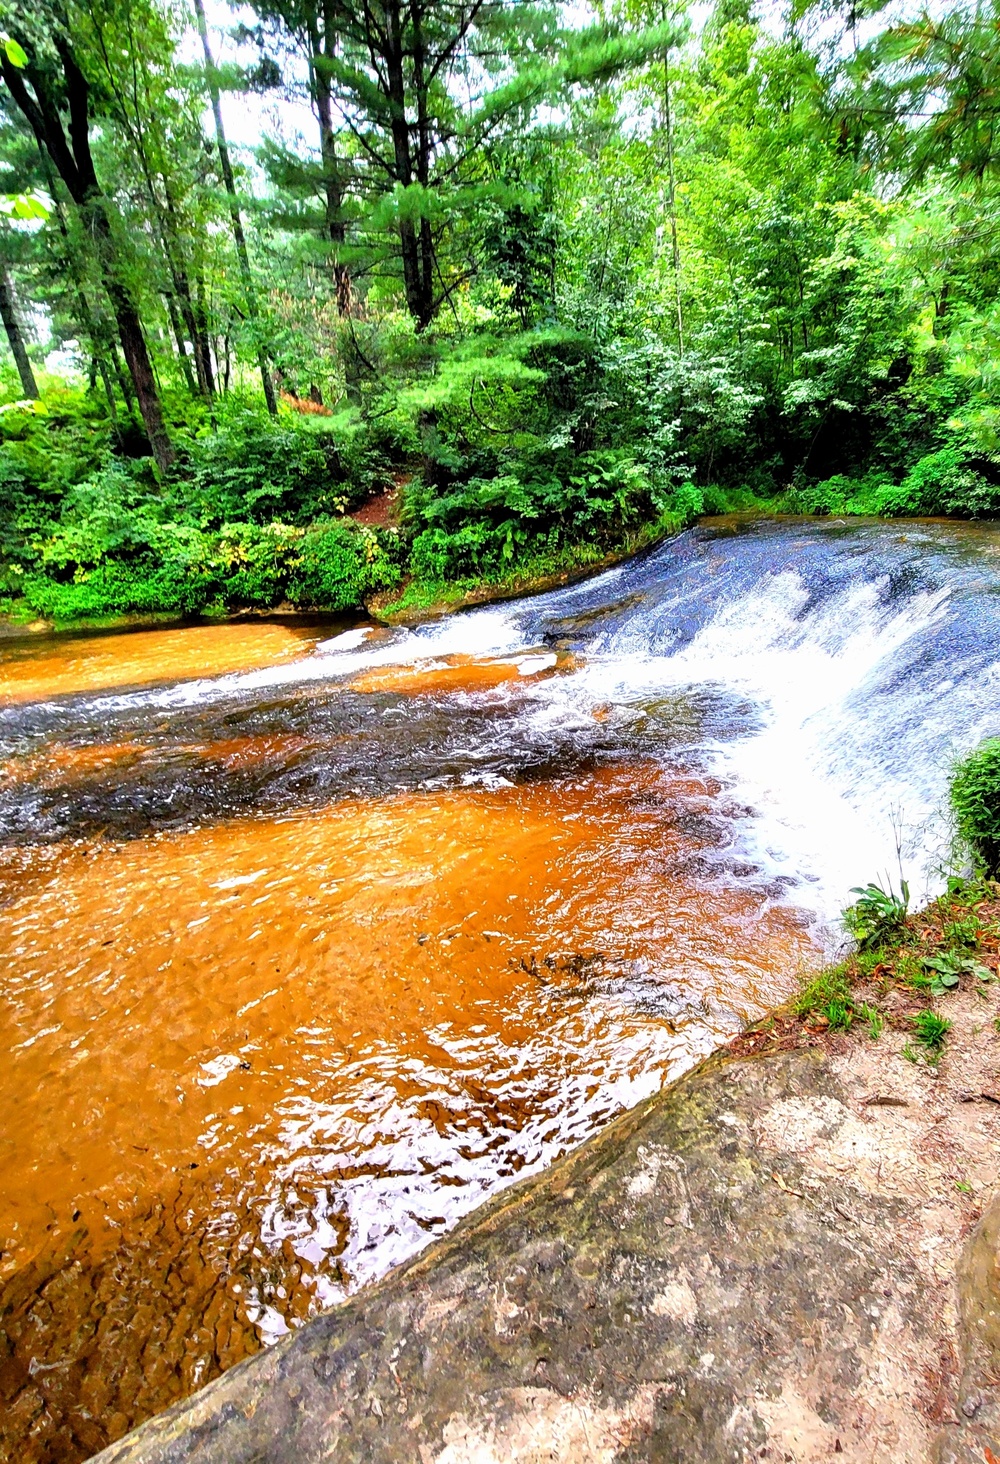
(567, 286)
(975, 804)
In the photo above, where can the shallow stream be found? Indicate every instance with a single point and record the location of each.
(315, 938)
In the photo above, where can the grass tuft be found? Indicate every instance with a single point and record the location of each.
(930, 1029)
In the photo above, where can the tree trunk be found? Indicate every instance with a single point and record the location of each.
(672, 197)
(234, 207)
(182, 346)
(74, 163)
(193, 316)
(15, 339)
(333, 188)
(99, 337)
(133, 342)
(174, 253)
(403, 166)
(423, 166)
(179, 304)
(203, 342)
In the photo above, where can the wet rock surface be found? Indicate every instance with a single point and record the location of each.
(770, 1260)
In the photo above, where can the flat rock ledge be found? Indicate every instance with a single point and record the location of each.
(784, 1257)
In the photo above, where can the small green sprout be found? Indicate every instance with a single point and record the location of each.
(963, 932)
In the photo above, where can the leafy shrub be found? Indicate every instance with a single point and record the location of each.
(110, 512)
(253, 562)
(716, 500)
(254, 469)
(475, 549)
(839, 494)
(974, 794)
(113, 551)
(541, 503)
(294, 469)
(110, 553)
(943, 483)
(116, 588)
(57, 446)
(338, 565)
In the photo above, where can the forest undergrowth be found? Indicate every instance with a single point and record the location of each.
(570, 277)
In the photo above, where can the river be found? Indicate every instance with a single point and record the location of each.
(314, 937)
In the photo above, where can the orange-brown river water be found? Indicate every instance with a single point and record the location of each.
(31, 669)
(317, 1039)
(310, 945)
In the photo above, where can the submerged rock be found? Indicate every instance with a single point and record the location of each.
(760, 1263)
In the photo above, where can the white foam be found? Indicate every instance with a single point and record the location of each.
(830, 795)
(486, 632)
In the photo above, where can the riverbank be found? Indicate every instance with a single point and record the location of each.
(355, 940)
(416, 600)
(427, 600)
(413, 601)
(790, 1253)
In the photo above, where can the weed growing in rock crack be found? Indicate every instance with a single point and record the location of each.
(829, 997)
(951, 944)
(908, 969)
(867, 964)
(930, 1030)
(840, 1015)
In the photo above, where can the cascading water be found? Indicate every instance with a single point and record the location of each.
(854, 660)
(305, 960)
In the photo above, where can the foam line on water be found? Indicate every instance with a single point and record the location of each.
(486, 632)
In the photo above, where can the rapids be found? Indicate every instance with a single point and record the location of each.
(315, 938)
